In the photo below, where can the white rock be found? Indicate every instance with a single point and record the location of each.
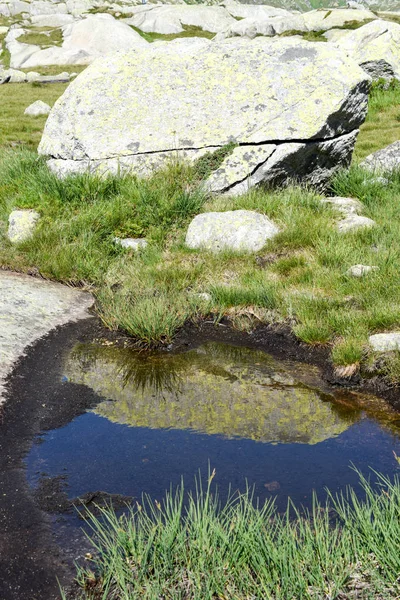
(385, 342)
(239, 230)
(354, 222)
(32, 76)
(151, 102)
(54, 20)
(134, 244)
(99, 35)
(386, 159)
(321, 20)
(12, 76)
(84, 41)
(344, 205)
(361, 270)
(37, 108)
(255, 11)
(21, 224)
(171, 19)
(375, 47)
(204, 296)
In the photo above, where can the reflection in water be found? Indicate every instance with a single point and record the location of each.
(215, 389)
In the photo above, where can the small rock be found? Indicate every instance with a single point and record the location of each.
(134, 244)
(21, 225)
(385, 342)
(345, 205)
(37, 108)
(239, 230)
(353, 222)
(381, 180)
(32, 76)
(204, 296)
(361, 270)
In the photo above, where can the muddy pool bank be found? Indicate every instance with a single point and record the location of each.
(35, 548)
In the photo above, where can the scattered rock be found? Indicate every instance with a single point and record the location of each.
(240, 230)
(21, 225)
(361, 270)
(385, 342)
(346, 206)
(204, 296)
(134, 244)
(283, 92)
(37, 108)
(354, 222)
(386, 159)
(12, 76)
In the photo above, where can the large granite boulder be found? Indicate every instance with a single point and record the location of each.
(286, 109)
(375, 47)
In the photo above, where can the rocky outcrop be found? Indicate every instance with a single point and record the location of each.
(172, 19)
(83, 41)
(288, 109)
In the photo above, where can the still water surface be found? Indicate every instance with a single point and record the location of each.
(271, 424)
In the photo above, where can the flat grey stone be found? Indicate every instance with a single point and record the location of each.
(29, 309)
(385, 342)
(238, 230)
(21, 224)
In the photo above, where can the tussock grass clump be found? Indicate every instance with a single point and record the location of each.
(193, 547)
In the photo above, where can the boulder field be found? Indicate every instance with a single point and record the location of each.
(283, 109)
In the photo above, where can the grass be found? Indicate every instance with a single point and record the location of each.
(382, 125)
(45, 37)
(299, 277)
(194, 547)
(189, 31)
(15, 127)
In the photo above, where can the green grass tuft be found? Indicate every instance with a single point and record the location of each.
(193, 546)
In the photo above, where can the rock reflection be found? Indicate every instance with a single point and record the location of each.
(215, 389)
